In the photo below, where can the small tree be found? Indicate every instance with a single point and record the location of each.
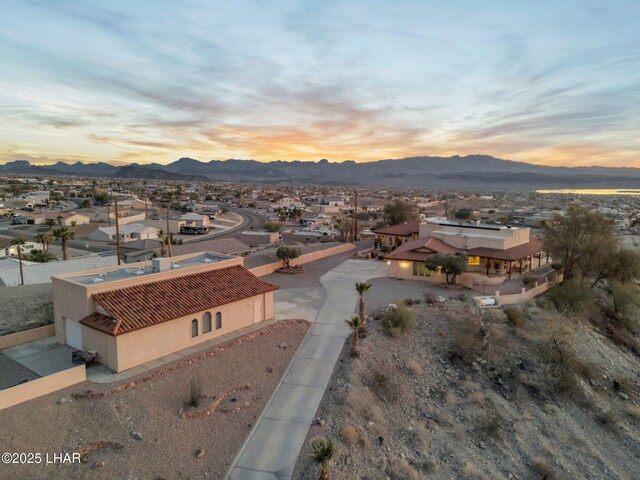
(463, 214)
(451, 264)
(399, 211)
(362, 288)
(354, 324)
(85, 204)
(272, 227)
(398, 320)
(50, 222)
(287, 254)
(195, 391)
(322, 451)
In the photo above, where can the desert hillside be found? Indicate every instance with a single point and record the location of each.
(541, 391)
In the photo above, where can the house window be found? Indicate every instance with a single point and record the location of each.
(206, 323)
(218, 320)
(474, 260)
(420, 270)
(194, 328)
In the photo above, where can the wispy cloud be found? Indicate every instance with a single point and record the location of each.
(544, 82)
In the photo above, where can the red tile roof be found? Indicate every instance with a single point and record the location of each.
(419, 250)
(140, 306)
(402, 230)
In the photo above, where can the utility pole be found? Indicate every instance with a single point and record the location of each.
(355, 219)
(168, 231)
(146, 205)
(108, 215)
(115, 203)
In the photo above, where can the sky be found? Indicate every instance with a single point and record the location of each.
(553, 82)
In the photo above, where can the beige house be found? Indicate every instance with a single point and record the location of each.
(136, 313)
(495, 253)
(68, 219)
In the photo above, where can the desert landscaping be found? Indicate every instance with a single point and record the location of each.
(519, 393)
(185, 420)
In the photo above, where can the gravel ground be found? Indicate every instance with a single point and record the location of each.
(169, 445)
(25, 307)
(408, 409)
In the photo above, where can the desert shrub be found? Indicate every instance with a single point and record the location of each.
(400, 469)
(465, 337)
(414, 367)
(385, 386)
(515, 315)
(408, 301)
(420, 437)
(527, 279)
(542, 467)
(626, 301)
(471, 472)
(490, 424)
(430, 297)
(272, 227)
(571, 297)
(633, 411)
(195, 391)
(399, 320)
(608, 418)
(354, 436)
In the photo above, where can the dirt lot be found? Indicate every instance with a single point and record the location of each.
(482, 399)
(25, 307)
(139, 432)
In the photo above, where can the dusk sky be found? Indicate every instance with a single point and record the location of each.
(551, 82)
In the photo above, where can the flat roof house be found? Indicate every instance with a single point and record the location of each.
(136, 313)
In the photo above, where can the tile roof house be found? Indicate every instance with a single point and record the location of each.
(136, 313)
(395, 235)
(495, 253)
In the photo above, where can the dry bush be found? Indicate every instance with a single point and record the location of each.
(543, 468)
(633, 411)
(472, 472)
(626, 301)
(399, 320)
(430, 297)
(385, 385)
(489, 424)
(477, 397)
(421, 438)
(359, 398)
(413, 366)
(515, 316)
(465, 336)
(608, 418)
(400, 469)
(354, 436)
(622, 337)
(495, 315)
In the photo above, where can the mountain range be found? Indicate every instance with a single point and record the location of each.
(472, 172)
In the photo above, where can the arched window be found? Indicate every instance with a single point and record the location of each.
(218, 320)
(194, 328)
(206, 322)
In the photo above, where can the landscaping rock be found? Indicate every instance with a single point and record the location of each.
(136, 436)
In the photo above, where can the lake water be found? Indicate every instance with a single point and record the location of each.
(594, 191)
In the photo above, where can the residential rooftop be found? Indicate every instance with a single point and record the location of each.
(157, 265)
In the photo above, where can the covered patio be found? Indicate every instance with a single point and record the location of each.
(512, 261)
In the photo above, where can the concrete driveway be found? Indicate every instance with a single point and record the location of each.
(273, 445)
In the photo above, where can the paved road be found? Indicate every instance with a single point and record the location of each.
(252, 221)
(273, 445)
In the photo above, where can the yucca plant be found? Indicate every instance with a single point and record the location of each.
(322, 453)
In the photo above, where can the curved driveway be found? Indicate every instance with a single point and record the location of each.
(273, 445)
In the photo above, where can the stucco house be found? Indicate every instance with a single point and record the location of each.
(136, 313)
(129, 232)
(495, 253)
(394, 236)
(68, 219)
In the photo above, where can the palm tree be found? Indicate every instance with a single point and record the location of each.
(355, 324)
(362, 288)
(163, 244)
(344, 226)
(50, 223)
(45, 239)
(64, 235)
(322, 453)
(41, 256)
(19, 242)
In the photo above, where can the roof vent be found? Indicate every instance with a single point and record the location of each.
(207, 260)
(175, 265)
(97, 280)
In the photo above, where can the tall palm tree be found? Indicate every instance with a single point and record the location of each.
(343, 225)
(19, 242)
(355, 324)
(163, 245)
(362, 288)
(45, 239)
(64, 235)
(322, 453)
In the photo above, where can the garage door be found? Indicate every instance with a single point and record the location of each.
(74, 333)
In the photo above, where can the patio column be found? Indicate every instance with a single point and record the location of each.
(510, 267)
(539, 258)
(488, 261)
(547, 256)
(520, 268)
